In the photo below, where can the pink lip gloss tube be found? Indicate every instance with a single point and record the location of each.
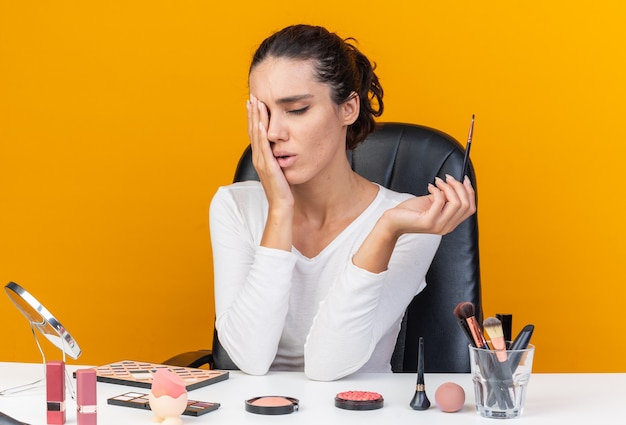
(55, 392)
(86, 401)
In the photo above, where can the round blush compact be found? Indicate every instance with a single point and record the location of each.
(359, 400)
(272, 405)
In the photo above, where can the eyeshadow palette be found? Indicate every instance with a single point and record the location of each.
(140, 401)
(139, 374)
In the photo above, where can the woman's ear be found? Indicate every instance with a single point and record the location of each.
(351, 108)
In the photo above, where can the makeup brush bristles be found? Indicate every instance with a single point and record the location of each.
(458, 313)
(466, 311)
(493, 327)
(463, 325)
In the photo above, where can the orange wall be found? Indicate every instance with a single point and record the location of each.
(118, 121)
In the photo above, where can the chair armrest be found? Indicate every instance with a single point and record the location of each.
(192, 359)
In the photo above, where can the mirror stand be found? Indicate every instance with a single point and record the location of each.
(40, 318)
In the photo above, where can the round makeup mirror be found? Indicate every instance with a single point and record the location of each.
(40, 318)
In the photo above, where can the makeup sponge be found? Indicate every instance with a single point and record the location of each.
(168, 397)
(450, 397)
(166, 382)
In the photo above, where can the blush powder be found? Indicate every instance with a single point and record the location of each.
(272, 405)
(359, 400)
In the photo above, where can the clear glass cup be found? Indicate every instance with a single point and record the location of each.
(500, 381)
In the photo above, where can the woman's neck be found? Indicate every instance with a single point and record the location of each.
(329, 197)
(323, 211)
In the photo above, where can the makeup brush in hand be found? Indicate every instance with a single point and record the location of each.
(493, 327)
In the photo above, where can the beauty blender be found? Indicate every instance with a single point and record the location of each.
(167, 397)
(165, 382)
(450, 397)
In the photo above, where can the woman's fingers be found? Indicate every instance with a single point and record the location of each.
(460, 203)
(249, 110)
(270, 174)
(257, 124)
(471, 193)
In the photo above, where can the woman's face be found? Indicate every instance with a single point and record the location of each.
(306, 130)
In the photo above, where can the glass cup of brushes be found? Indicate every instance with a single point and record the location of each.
(500, 380)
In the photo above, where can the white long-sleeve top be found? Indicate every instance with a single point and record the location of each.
(279, 310)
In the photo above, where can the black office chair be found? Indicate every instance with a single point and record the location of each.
(405, 158)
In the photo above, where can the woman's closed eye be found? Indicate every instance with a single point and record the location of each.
(298, 111)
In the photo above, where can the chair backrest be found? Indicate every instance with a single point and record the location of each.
(405, 158)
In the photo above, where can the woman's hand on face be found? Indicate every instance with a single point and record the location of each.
(270, 174)
(448, 205)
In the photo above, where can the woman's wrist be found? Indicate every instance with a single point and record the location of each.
(278, 229)
(375, 252)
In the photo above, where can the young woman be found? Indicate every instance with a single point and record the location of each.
(315, 265)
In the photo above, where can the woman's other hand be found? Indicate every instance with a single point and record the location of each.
(448, 205)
